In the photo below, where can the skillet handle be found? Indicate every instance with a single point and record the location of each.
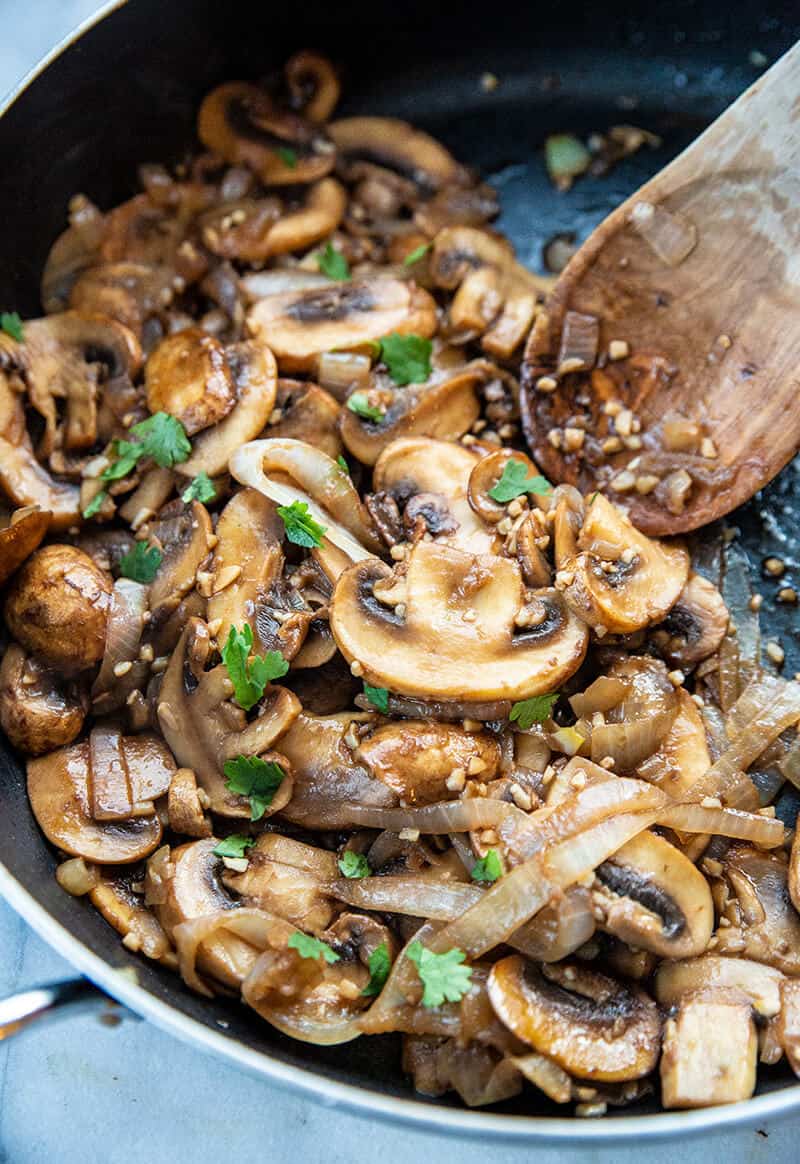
(56, 1000)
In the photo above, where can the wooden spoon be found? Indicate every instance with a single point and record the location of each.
(699, 273)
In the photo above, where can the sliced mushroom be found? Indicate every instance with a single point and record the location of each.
(189, 887)
(591, 1025)
(38, 711)
(20, 538)
(255, 375)
(249, 535)
(184, 810)
(442, 627)
(444, 410)
(299, 326)
(327, 777)
(652, 897)
(123, 669)
(683, 755)
(204, 729)
(496, 298)
(429, 479)
(68, 357)
(760, 983)
(396, 145)
(121, 902)
(253, 230)
(305, 412)
(27, 484)
(188, 376)
(185, 537)
(58, 589)
(59, 789)
(485, 476)
(242, 124)
(313, 85)
(710, 1049)
(73, 251)
(764, 924)
(415, 760)
(695, 626)
(480, 1075)
(136, 295)
(613, 576)
(789, 1022)
(287, 878)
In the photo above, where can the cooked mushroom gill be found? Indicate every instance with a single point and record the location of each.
(695, 626)
(454, 636)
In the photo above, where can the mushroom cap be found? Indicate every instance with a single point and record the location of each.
(307, 413)
(695, 626)
(419, 464)
(433, 651)
(395, 144)
(124, 909)
(187, 375)
(759, 982)
(59, 786)
(19, 539)
(38, 711)
(632, 594)
(300, 325)
(58, 590)
(592, 1026)
(415, 759)
(27, 483)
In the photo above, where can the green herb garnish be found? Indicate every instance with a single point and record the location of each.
(354, 864)
(333, 264)
(300, 526)
(288, 156)
(161, 437)
(308, 947)
(407, 358)
(254, 778)
(534, 710)
(343, 465)
(11, 324)
(141, 563)
(418, 253)
(443, 976)
(379, 965)
(359, 403)
(201, 488)
(515, 481)
(566, 158)
(236, 845)
(487, 868)
(96, 504)
(378, 697)
(250, 675)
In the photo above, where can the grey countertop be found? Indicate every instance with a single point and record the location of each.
(77, 1091)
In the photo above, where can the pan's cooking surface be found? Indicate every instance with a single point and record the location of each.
(128, 93)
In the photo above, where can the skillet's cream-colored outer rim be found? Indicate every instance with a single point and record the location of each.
(422, 1114)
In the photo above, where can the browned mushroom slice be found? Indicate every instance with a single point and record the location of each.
(315, 480)
(652, 897)
(429, 480)
(204, 729)
(27, 484)
(135, 295)
(759, 983)
(396, 145)
(636, 726)
(416, 760)
(241, 123)
(682, 757)
(123, 669)
(73, 251)
(126, 776)
(305, 412)
(789, 1022)
(287, 878)
(120, 899)
(591, 1025)
(763, 925)
(480, 1075)
(444, 410)
(255, 376)
(442, 627)
(614, 577)
(20, 538)
(313, 85)
(38, 711)
(58, 590)
(58, 789)
(185, 886)
(188, 376)
(253, 230)
(249, 536)
(710, 1049)
(67, 357)
(184, 809)
(496, 296)
(299, 326)
(486, 474)
(327, 778)
(695, 626)
(185, 537)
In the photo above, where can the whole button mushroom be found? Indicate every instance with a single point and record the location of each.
(57, 606)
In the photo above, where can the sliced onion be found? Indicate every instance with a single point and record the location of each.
(457, 816)
(559, 929)
(252, 925)
(408, 895)
(765, 831)
(546, 1075)
(790, 764)
(341, 372)
(670, 236)
(737, 592)
(261, 284)
(322, 482)
(580, 337)
(123, 636)
(605, 693)
(631, 742)
(76, 877)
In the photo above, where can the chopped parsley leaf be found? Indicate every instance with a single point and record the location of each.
(141, 563)
(300, 526)
(254, 778)
(515, 481)
(537, 709)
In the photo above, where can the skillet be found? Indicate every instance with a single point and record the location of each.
(124, 90)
